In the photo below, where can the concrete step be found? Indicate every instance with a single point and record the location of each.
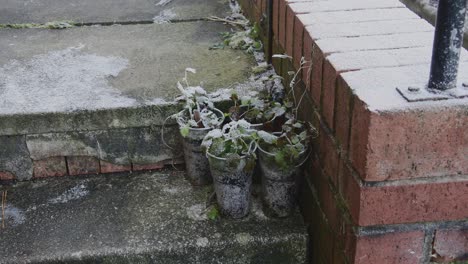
(137, 218)
(93, 99)
(109, 11)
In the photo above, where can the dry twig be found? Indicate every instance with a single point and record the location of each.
(218, 19)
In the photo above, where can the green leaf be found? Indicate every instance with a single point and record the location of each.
(213, 214)
(279, 159)
(184, 131)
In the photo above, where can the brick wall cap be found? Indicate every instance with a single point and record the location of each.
(362, 15)
(369, 28)
(357, 60)
(376, 87)
(380, 42)
(326, 6)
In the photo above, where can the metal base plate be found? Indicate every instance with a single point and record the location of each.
(419, 94)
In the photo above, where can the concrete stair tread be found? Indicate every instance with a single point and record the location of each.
(153, 217)
(91, 11)
(50, 77)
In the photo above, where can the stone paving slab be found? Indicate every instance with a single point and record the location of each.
(110, 67)
(142, 218)
(99, 11)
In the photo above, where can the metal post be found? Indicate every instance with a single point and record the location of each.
(448, 40)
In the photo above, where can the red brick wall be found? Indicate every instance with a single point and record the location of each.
(82, 165)
(387, 182)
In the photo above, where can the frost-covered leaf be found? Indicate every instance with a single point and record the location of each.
(298, 125)
(192, 123)
(245, 100)
(303, 135)
(243, 124)
(199, 90)
(281, 56)
(192, 70)
(215, 133)
(267, 137)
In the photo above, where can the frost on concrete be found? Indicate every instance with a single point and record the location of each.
(75, 193)
(163, 2)
(13, 216)
(164, 17)
(61, 81)
(197, 212)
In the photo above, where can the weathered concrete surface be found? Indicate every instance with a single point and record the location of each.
(143, 218)
(92, 11)
(118, 146)
(90, 68)
(14, 157)
(90, 78)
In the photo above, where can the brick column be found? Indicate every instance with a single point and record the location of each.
(388, 180)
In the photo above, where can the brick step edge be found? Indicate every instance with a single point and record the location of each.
(84, 165)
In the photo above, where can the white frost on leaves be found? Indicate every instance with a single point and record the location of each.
(63, 80)
(267, 137)
(164, 17)
(197, 212)
(163, 2)
(74, 193)
(13, 215)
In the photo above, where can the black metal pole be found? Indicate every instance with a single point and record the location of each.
(448, 40)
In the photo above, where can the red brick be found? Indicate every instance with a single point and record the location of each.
(142, 167)
(343, 108)
(409, 203)
(289, 37)
(50, 167)
(6, 176)
(358, 147)
(264, 6)
(282, 23)
(390, 248)
(275, 18)
(81, 165)
(316, 75)
(329, 155)
(307, 52)
(328, 93)
(409, 144)
(451, 245)
(349, 189)
(107, 167)
(298, 43)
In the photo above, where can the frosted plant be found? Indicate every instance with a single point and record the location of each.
(198, 109)
(234, 140)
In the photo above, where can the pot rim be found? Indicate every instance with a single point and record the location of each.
(219, 158)
(256, 124)
(300, 154)
(222, 117)
(273, 154)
